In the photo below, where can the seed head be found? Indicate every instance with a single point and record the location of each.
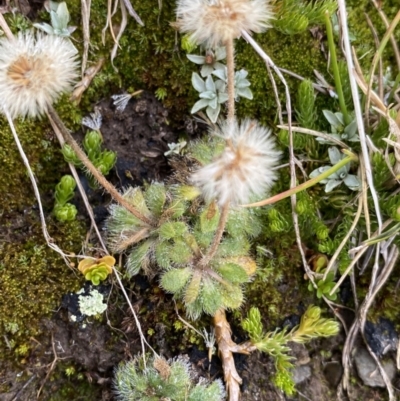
(244, 169)
(34, 71)
(213, 22)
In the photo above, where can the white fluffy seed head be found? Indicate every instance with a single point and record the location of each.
(34, 71)
(244, 169)
(214, 22)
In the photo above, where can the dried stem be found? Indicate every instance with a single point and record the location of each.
(357, 108)
(93, 170)
(4, 26)
(226, 348)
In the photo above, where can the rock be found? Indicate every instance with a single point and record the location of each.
(333, 372)
(301, 373)
(368, 370)
(381, 337)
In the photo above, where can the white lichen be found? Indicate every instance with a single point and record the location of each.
(92, 304)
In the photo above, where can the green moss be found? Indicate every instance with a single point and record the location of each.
(33, 280)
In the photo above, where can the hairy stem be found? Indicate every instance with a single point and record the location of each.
(52, 114)
(230, 64)
(218, 235)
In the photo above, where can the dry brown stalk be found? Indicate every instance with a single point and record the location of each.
(226, 348)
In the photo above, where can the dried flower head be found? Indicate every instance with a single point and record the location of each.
(34, 71)
(214, 22)
(244, 169)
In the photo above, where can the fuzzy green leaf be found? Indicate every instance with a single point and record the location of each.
(181, 253)
(232, 296)
(163, 254)
(233, 273)
(174, 280)
(209, 218)
(210, 296)
(139, 258)
(135, 197)
(155, 197)
(171, 230)
(193, 289)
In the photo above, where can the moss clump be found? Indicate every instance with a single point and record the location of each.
(33, 279)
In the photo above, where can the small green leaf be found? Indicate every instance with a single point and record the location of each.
(174, 280)
(233, 273)
(193, 289)
(170, 230)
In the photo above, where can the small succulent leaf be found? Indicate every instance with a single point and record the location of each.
(193, 289)
(221, 73)
(242, 74)
(210, 85)
(352, 182)
(245, 92)
(220, 85)
(253, 325)
(222, 97)
(208, 95)
(44, 27)
(318, 171)
(206, 70)
(332, 118)
(66, 212)
(331, 184)
(213, 103)
(200, 104)
(243, 83)
(55, 22)
(174, 280)
(195, 58)
(198, 83)
(350, 132)
(63, 15)
(334, 155)
(218, 66)
(220, 53)
(213, 113)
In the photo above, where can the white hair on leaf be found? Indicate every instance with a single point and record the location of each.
(34, 71)
(244, 169)
(213, 22)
